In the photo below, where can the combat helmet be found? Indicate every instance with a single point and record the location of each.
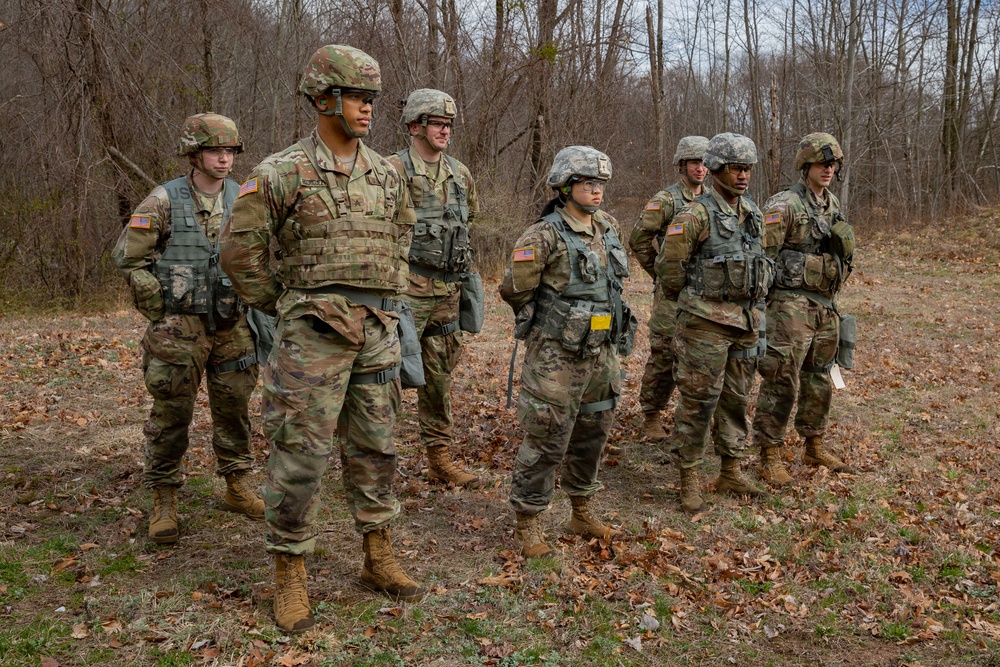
(729, 148)
(425, 102)
(818, 147)
(208, 130)
(336, 68)
(582, 161)
(690, 148)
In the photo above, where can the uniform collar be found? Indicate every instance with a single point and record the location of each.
(327, 161)
(814, 201)
(599, 222)
(420, 165)
(686, 190)
(204, 203)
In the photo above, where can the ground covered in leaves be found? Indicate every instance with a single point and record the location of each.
(896, 565)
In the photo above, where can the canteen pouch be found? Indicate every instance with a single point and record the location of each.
(262, 326)
(848, 337)
(627, 340)
(842, 239)
(411, 375)
(471, 303)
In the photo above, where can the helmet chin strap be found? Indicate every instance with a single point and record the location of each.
(338, 111)
(731, 190)
(588, 209)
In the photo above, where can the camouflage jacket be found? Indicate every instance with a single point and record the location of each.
(421, 285)
(540, 257)
(647, 235)
(144, 239)
(682, 241)
(283, 196)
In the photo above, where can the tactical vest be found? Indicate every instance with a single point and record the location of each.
(801, 264)
(441, 235)
(349, 247)
(677, 195)
(730, 265)
(589, 313)
(188, 270)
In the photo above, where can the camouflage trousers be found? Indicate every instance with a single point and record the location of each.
(440, 355)
(658, 377)
(711, 383)
(802, 338)
(176, 351)
(309, 403)
(554, 385)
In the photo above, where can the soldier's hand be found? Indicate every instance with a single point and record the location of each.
(147, 294)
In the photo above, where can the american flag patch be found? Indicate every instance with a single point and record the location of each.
(248, 187)
(674, 230)
(140, 222)
(653, 206)
(524, 254)
(772, 218)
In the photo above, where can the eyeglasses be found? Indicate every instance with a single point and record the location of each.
(219, 151)
(738, 168)
(363, 96)
(440, 124)
(591, 184)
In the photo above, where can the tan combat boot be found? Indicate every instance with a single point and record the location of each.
(731, 481)
(442, 469)
(240, 497)
(691, 500)
(583, 522)
(382, 573)
(528, 536)
(772, 466)
(652, 429)
(163, 521)
(817, 455)
(291, 600)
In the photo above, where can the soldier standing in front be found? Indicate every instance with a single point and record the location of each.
(564, 283)
(813, 246)
(342, 219)
(712, 260)
(444, 199)
(645, 240)
(168, 253)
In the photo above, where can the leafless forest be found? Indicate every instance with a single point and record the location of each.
(92, 94)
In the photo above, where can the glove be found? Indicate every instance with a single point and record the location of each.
(147, 294)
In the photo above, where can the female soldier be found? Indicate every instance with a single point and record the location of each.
(564, 284)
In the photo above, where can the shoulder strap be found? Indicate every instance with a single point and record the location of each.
(337, 206)
(404, 157)
(181, 210)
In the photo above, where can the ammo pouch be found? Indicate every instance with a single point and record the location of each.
(185, 289)
(627, 339)
(227, 304)
(800, 270)
(471, 303)
(523, 320)
(842, 239)
(848, 337)
(411, 373)
(733, 277)
(585, 329)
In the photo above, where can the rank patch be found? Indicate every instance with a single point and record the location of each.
(248, 187)
(524, 254)
(772, 218)
(674, 230)
(140, 222)
(653, 206)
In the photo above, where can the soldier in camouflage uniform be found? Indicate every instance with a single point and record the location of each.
(645, 240)
(564, 285)
(444, 199)
(712, 260)
(806, 234)
(168, 254)
(341, 216)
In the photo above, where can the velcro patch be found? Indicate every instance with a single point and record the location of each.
(140, 222)
(524, 254)
(772, 218)
(675, 229)
(248, 187)
(653, 206)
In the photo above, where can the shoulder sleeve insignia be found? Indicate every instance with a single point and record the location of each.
(653, 206)
(675, 229)
(140, 222)
(248, 187)
(524, 254)
(772, 218)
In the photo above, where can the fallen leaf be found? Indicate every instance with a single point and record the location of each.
(82, 421)
(80, 631)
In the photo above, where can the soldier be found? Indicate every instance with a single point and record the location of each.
(813, 246)
(564, 285)
(168, 253)
(712, 260)
(645, 240)
(444, 199)
(342, 219)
